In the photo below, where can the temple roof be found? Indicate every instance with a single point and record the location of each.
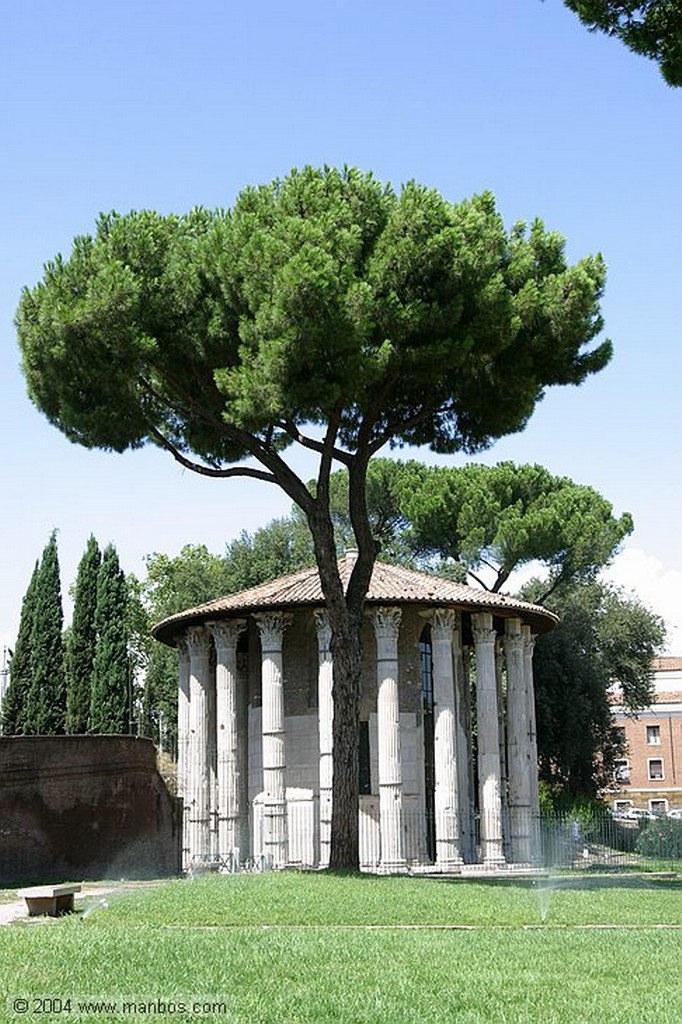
(390, 584)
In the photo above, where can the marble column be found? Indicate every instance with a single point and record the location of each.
(490, 804)
(502, 738)
(325, 716)
(386, 627)
(229, 811)
(446, 803)
(528, 648)
(183, 741)
(518, 749)
(199, 747)
(271, 626)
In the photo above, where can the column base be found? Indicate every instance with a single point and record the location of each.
(492, 855)
(451, 865)
(494, 863)
(393, 867)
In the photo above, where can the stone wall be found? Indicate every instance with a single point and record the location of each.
(76, 807)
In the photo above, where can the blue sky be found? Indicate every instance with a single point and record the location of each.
(167, 104)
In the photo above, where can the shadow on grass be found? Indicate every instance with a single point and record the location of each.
(574, 882)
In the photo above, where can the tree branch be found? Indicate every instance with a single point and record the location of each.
(278, 470)
(394, 427)
(502, 577)
(339, 454)
(478, 580)
(327, 453)
(548, 593)
(197, 467)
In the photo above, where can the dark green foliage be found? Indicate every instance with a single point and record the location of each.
(661, 839)
(82, 640)
(160, 698)
(497, 518)
(388, 488)
(603, 637)
(324, 295)
(46, 702)
(15, 703)
(280, 548)
(652, 28)
(110, 697)
(191, 578)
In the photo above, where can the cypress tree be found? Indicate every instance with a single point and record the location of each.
(109, 695)
(82, 640)
(46, 710)
(160, 699)
(15, 705)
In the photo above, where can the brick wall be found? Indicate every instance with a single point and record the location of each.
(74, 807)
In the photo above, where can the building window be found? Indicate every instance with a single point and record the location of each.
(426, 657)
(622, 806)
(655, 769)
(658, 807)
(653, 734)
(621, 770)
(364, 760)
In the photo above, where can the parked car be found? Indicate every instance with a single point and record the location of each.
(676, 813)
(632, 814)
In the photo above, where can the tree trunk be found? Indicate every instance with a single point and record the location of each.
(345, 618)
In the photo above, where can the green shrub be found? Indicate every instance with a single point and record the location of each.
(661, 838)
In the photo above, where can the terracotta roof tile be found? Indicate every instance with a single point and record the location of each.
(389, 584)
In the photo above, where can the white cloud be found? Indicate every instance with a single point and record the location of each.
(659, 588)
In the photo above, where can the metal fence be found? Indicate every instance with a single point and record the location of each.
(595, 841)
(582, 841)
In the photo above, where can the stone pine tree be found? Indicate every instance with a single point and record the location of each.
(652, 28)
(82, 640)
(15, 703)
(486, 522)
(324, 311)
(46, 704)
(110, 710)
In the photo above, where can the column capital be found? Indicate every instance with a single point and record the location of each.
(226, 633)
(323, 629)
(513, 644)
(483, 630)
(443, 622)
(513, 636)
(271, 626)
(198, 641)
(386, 622)
(528, 641)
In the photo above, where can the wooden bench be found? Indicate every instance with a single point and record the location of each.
(50, 900)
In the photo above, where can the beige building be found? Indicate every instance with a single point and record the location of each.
(255, 724)
(648, 779)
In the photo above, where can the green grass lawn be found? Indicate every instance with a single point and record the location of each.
(307, 949)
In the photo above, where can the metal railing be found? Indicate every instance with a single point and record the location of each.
(581, 841)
